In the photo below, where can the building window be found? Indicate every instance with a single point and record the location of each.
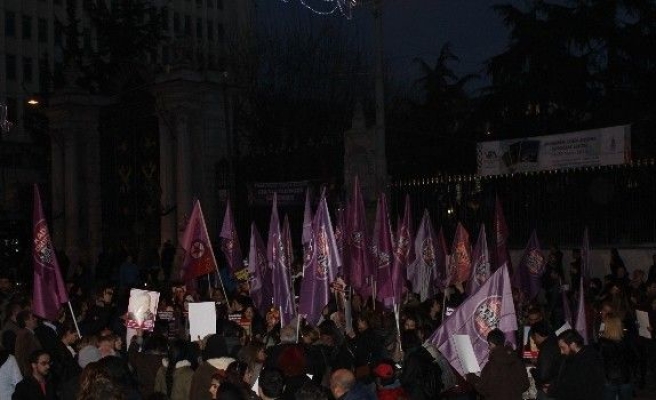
(210, 30)
(10, 24)
(176, 22)
(199, 3)
(166, 55)
(187, 27)
(57, 2)
(27, 27)
(87, 39)
(219, 4)
(27, 69)
(10, 66)
(220, 33)
(210, 4)
(42, 30)
(59, 34)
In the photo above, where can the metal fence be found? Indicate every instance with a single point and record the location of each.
(617, 204)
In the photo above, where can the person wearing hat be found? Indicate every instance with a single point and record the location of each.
(388, 387)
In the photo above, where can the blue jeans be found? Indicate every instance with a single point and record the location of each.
(622, 391)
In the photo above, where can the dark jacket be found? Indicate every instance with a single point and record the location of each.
(413, 376)
(617, 368)
(548, 363)
(581, 377)
(503, 377)
(30, 389)
(359, 392)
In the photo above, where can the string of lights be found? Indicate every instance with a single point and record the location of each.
(328, 7)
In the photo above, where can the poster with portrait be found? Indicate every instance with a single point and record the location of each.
(142, 309)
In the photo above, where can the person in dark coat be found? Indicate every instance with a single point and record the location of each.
(417, 363)
(582, 375)
(366, 346)
(36, 385)
(504, 376)
(549, 358)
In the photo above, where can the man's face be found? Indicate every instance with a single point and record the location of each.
(108, 296)
(565, 349)
(5, 284)
(31, 322)
(534, 318)
(410, 324)
(42, 366)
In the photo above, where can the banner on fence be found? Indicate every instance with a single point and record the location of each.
(289, 193)
(592, 148)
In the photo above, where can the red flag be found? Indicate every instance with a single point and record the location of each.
(441, 278)
(385, 281)
(258, 272)
(49, 290)
(199, 258)
(359, 267)
(529, 272)
(230, 241)
(423, 270)
(459, 269)
(501, 254)
(480, 262)
(322, 269)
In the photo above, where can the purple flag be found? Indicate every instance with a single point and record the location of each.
(490, 307)
(441, 261)
(529, 272)
(404, 252)
(199, 257)
(585, 256)
(460, 262)
(230, 241)
(340, 231)
(259, 273)
(49, 290)
(278, 262)
(385, 282)
(581, 324)
(480, 262)
(323, 266)
(501, 254)
(359, 268)
(567, 310)
(422, 271)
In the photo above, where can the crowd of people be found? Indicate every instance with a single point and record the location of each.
(373, 356)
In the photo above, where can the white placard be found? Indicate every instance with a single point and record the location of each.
(466, 355)
(563, 328)
(142, 309)
(202, 320)
(643, 324)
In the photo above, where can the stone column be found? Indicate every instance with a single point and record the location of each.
(168, 227)
(57, 183)
(183, 182)
(71, 196)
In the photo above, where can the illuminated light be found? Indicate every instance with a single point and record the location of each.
(345, 7)
(33, 102)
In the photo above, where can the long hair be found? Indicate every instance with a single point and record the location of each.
(613, 329)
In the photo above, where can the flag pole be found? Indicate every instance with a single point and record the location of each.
(77, 328)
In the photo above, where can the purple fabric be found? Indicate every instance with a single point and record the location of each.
(279, 265)
(322, 268)
(230, 242)
(441, 261)
(404, 252)
(385, 280)
(581, 324)
(49, 289)
(359, 268)
(527, 278)
(423, 270)
(340, 232)
(567, 310)
(491, 306)
(480, 262)
(259, 273)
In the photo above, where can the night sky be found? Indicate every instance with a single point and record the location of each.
(417, 28)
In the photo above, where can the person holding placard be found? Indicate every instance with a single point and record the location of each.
(504, 376)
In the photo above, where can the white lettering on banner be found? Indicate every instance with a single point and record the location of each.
(597, 147)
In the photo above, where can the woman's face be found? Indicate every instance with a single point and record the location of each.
(362, 325)
(249, 313)
(214, 387)
(261, 356)
(118, 343)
